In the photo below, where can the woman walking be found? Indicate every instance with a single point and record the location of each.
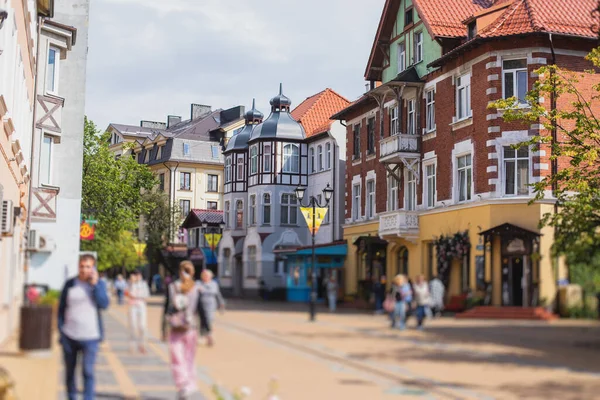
(210, 300)
(120, 286)
(181, 306)
(422, 298)
(403, 295)
(137, 294)
(332, 292)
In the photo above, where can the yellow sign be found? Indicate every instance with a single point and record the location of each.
(314, 222)
(139, 248)
(86, 231)
(213, 240)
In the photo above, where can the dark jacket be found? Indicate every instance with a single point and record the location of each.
(100, 298)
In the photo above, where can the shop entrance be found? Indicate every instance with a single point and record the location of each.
(514, 282)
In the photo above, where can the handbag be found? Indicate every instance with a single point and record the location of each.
(177, 315)
(389, 304)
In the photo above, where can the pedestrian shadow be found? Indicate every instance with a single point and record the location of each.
(572, 390)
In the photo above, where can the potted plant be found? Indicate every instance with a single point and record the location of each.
(37, 316)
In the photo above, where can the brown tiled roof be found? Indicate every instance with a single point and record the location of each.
(443, 18)
(314, 112)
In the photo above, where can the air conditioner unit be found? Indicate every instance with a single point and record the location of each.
(8, 216)
(32, 240)
(40, 243)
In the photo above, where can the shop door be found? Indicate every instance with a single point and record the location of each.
(512, 281)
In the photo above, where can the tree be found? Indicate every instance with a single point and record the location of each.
(159, 224)
(574, 144)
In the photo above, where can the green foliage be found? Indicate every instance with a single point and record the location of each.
(582, 312)
(159, 223)
(577, 181)
(51, 298)
(120, 253)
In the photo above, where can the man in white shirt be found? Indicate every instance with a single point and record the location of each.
(137, 294)
(80, 324)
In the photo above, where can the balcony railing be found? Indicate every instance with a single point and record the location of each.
(401, 143)
(399, 223)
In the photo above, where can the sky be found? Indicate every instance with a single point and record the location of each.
(152, 58)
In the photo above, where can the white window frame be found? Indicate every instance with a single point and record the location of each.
(515, 178)
(288, 206)
(267, 158)
(410, 191)
(56, 81)
(469, 168)
(392, 193)
(208, 183)
(294, 166)
(270, 211)
(312, 160)
(429, 195)
(463, 87)
(328, 154)
(214, 150)
(411, 120)
(254, 160)
(319, 158)
(356, 202)
(418, 39)
(186, 149)
(515, 74)
(401, 57)
(430, 111)
(240, 165)
(184, 214)
(50, 165)
(228, 169)
(371, 212)
(214, 202)
(394, 120)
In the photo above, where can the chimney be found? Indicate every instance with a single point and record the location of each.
(232, 114)
(173, 120)
(200, 111)
(153, 125)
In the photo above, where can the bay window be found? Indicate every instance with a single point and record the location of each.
(514, 79)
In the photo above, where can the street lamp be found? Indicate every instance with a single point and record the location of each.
(205, 226)
(314, 203)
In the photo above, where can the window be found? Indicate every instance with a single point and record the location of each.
(514, 79)
(266, 209)
(516, 171)
(411, 120)
(328, 156)
(471, 30)
(212, 205)
(227, 262)
(291, 158)
(185, 179)
(239, 214)
(184, 206)
(320, 158)
(267, 158)
(226, 215)
(371, 136)
(430, 110)
(401, 57)
(253, 160)
(251, 267)
(186, 149)
(408, 17)
(158, 153)
(410, 200)
(214, 151)
(356, 141)
(394, 121)
(46, 160)
(289, 209)
(431, 185)
(252, 210)
(465, 178)
(418, 47)
(312, 160)
(161, 182)
(392, 193)
(355, 202)
(240, 169)
(52, 71)
(463, 96)
(147, 158)
(212, 183)
(228, 169)
(370, 199)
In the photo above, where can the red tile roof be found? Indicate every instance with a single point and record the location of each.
(443, 18)
(314, 112)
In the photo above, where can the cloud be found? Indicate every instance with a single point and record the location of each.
(150, 58)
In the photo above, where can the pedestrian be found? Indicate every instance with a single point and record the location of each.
(403, 296)
(379, 292)
(437, 291)
(210, 300)
(120, 287)
(137, 294)
(332, 292)
(182, 303)
(80, 324)
(422, 298)
(157, 281)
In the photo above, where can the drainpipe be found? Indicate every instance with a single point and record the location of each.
(335, 198)
(32, 149)
(172, 188)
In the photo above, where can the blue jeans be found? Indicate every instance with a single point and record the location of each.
(71, 350)
(399, 313)
(332, 297)
(378, 303)
(421, 312)
(120, 294)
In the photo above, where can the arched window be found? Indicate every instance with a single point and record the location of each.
(291, 158)
(312, 160)
(252, 210)
(239, 214)
(228, 169)
(320, 158)
(253, 160)
(226, 215)
(328, 156)
(266, 209)
(226, 270)
(402, 261)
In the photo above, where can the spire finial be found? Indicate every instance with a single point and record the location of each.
(253, 103)
(280, 88)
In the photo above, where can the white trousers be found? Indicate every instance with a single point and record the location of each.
(137, 324)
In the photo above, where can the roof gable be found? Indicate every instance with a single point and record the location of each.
(315, 112)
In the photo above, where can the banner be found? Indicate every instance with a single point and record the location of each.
(139, 249)
(213, 240)
(87, 229)
(319, 216)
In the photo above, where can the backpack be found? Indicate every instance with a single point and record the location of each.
(178, 315)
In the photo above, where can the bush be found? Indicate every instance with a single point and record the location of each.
(51, 298)
(582, 312)
(473, 302)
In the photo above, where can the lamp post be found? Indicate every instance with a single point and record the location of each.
(314, 203)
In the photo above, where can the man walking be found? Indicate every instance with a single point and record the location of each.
(80, 323)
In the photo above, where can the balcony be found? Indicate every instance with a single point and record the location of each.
(400, 223)
(398, 147)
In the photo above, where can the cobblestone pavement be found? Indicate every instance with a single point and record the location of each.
(122, 375)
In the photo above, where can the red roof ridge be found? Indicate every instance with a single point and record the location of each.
(311, 113)
(496, 25)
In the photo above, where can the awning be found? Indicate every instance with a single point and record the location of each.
(509, 230)
(210, 256)
(325, 250)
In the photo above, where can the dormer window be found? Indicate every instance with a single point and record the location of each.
(408, 17)
(472, 30)
(159, 152)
